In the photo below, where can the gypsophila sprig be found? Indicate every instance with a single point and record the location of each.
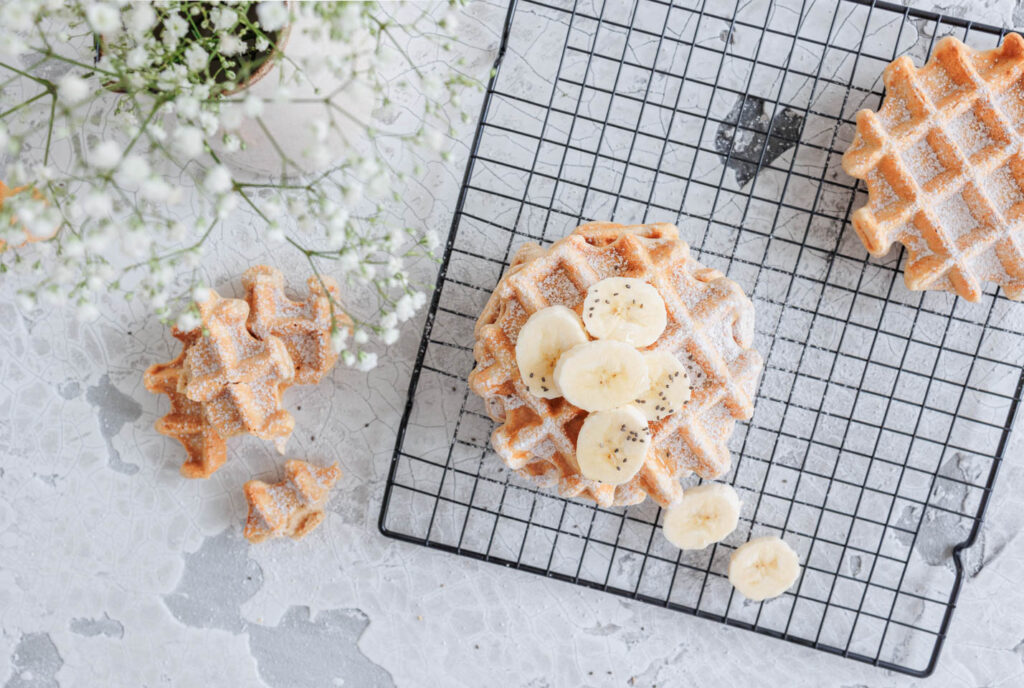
(131, 132)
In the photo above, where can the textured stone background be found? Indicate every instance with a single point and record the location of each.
(113, 566)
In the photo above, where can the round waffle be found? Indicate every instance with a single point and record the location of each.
(710, 329)
(944, 168)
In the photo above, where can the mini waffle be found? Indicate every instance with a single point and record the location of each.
(237, 377)
(186, 421)
(303, 326)
(294, 506)
(944, 168)
(710, 328)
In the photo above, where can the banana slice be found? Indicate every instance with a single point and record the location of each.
(601, 375)
(763, 567)
(624, 308)
(544, 337)
(669, 386)
(612, 445)
(706, 514)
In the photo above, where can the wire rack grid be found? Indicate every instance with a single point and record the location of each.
(882, 414)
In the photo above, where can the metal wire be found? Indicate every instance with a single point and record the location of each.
(882, 414)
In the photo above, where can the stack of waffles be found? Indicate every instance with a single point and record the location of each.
(232, 370)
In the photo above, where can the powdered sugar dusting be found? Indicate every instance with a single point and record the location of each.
(705, 309)
(880, 191)
(970, 133)
(955, 217)
(922, 162)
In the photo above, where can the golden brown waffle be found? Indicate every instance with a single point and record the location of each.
(944, 168)
(186, 421)
(294, 506)
(303, 326)
(710, 328)
(238, 378)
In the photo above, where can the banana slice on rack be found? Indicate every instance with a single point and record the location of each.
(601, 375)
(764, 567)
(545, 336)
(626, 309)
(612, 445)
(705, 515)
(669, 386)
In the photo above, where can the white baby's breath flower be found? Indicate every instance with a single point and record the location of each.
(274, 233)
(155, 190)
(226, 205)
(187, 321)
(26, 301)
(431, 240)
(404, 308)
(87, 311)
(272, 15)
(231, 116)
(174, 28)
(450, 22)
(230, 44)
(196, 58)
(418, 299)
(434, 139)
(136, 58)
(187, 106)
(106, 155)
(389, 321)
(98, 204)
(338, 337)
(103, 18)
(390, 336)
(320, 128)
(132, 172)
(232, 144)
(347, 357)
(360, 337)
(253, 105)
(348, 260)
(261, 44)
(224, 18)
(187, 142)
(17, 16)
(74, 247)
(208, 122)
(201, 294)
(140, 19)
(72, 89)
(367, 361)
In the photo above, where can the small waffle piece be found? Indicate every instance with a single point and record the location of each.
(303, 326)
(294, 506)
(186, 421)
(710, 329)
(944, 168)
(238, 378)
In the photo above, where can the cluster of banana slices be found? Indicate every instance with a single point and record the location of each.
(760, 569)
(622, 388)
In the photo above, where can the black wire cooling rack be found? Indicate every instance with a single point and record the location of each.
(882, 414)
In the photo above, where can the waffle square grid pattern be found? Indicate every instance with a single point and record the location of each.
(943, 166)
(882, 413)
